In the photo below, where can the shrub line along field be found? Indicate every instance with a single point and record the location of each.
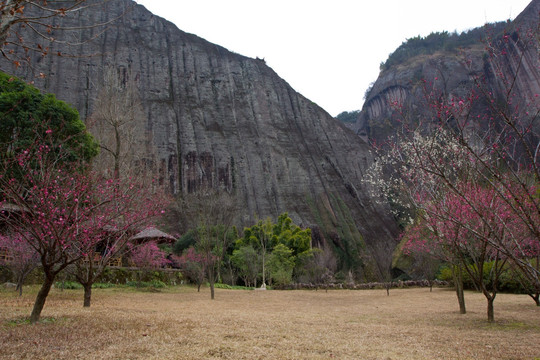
(180, 323)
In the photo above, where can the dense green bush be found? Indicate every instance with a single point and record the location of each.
(349, 116)
(185, 241)
(28, 113)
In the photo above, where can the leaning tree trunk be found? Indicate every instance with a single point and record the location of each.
(536, 298)
(41, 297)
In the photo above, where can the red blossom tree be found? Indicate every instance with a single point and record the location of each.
(210, 213)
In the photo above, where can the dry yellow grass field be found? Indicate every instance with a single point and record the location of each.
(179, 323)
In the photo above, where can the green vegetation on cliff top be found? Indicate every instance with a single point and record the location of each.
(441, 41)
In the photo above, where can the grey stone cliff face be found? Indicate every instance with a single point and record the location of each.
(220, 119)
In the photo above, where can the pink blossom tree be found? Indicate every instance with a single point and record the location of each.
(130, 206)
(467, 230)
(148, 256)
(66, 209)
(59, 220)
(21, 260)
(424, 241)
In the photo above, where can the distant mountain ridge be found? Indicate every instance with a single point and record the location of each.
(402, 74)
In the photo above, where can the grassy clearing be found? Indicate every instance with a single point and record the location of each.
(179, 323)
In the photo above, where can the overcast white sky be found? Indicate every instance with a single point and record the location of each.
(329, 51)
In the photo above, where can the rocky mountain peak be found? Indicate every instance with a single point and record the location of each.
(454, 66)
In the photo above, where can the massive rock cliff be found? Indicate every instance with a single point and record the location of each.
(224, 120)
(453, 71)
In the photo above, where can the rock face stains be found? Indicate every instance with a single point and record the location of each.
(201, 172)
(220, 119)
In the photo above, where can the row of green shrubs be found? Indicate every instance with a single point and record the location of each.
(131, 277)
(73, 285)
(234, 287)
(112, 276)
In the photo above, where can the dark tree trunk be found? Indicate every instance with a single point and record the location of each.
(22, 276)
(87, 294)
(199, 287)
(490, 297)
(232, 275)
(211, 280)
(41, 297)
(458, 281)
(20, 281)
(490, 310)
